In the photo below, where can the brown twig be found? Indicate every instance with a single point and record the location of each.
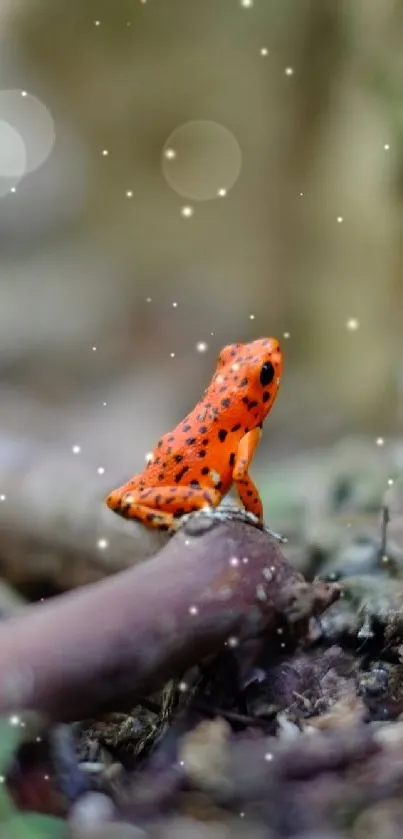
(123, 637)
(384, 530)
(245, 720)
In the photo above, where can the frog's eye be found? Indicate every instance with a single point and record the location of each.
(267, 374)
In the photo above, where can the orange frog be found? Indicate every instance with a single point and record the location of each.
(195, 465)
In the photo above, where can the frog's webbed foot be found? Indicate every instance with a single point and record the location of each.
(229, 512)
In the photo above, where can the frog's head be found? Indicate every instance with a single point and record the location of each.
(247, 379)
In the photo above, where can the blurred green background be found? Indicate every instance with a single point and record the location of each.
(213, 171)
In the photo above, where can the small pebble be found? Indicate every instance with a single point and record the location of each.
(90, 811)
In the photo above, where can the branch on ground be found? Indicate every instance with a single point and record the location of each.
(110, 643)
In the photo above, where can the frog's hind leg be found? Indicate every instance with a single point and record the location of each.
(114, 499)
(163, 507)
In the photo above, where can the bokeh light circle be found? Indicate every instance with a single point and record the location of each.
(13, 157)
(30, 118)
(201, 160)
(12, 152)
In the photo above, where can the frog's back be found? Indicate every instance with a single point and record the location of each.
(194, 453)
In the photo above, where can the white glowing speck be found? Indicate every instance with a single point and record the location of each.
(386, 146)
(97, 23)
(2, 779)
(104, 404)
(38, 739)
(245, 560)
(201, 346)
(339, 219)
(264, 51)
(193, 610)
(280, 631)
(102, 544)
(94, 349)
(76, 449)
(286, 334)
(352, 324)
(143, 1)
(268, 756)
(105, 152)
(181, 763)
(233, 642)
(222, 193)
(13, 189)
(148, 299)
(186, 212)
(170, 154)
(220, 379)
(2, 497)
(235, 367)
(234, 561)
(246, 4)
(380, 441)
(242, 815)
(100, 470)
(301, 194)
(148, 457)
(390, 482)
(183, 687)
(289, 71)
(251, 317)
(129, 193)
(46, 777)
(24, 93)
(282, 645)
(174, 305)
(14, 720)
(172, 354)
(260, 592)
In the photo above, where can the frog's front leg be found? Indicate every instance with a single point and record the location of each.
(163, 507)
(243, 483)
